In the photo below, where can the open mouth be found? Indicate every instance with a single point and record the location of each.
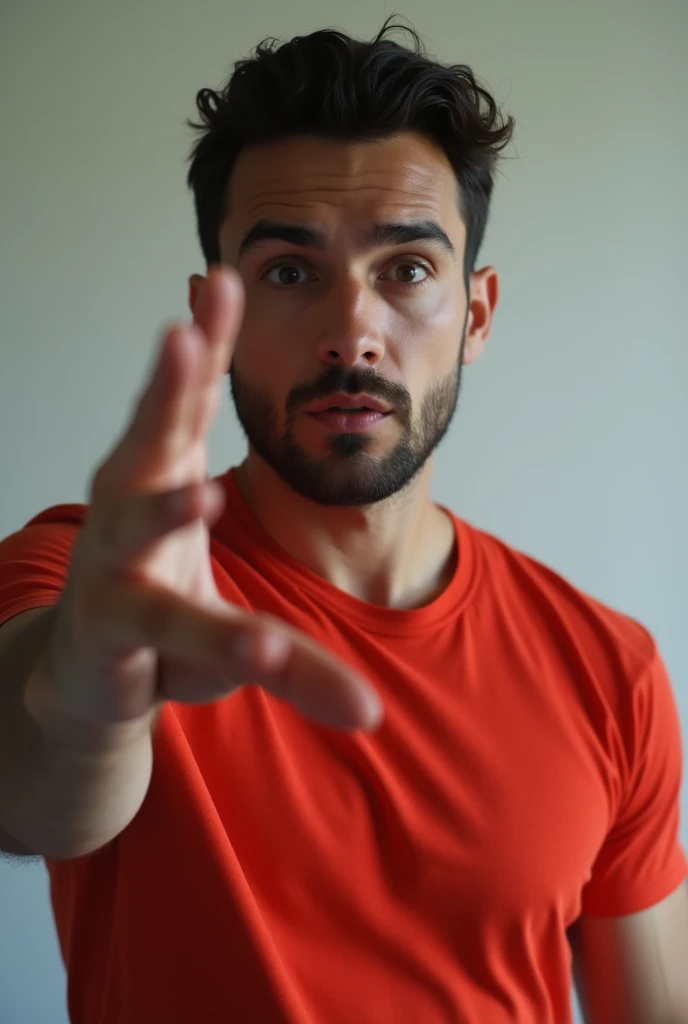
(349, 421)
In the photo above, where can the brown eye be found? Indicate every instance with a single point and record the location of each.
(286, 274)
(410, 273)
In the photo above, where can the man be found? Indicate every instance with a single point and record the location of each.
(451, 766)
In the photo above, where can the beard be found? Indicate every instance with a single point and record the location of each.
(349, 475)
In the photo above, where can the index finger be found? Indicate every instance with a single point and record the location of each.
(218, 314)
(322, 687)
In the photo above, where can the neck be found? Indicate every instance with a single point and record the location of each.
(399, 553)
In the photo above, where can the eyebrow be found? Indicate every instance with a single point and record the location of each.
(376, 236)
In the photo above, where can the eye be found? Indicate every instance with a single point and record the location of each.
(410, 272)
(286, 274)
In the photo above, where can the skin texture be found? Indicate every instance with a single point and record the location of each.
(632, 969)
(357, 509)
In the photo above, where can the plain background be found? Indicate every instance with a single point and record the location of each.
(570, 439)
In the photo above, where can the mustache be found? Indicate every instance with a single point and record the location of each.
(351, 381)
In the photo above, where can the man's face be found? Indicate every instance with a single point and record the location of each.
(351, 255)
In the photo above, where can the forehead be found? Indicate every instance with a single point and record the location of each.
(342, 185)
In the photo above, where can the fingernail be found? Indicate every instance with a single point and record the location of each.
(374, 709)
(265, 649)
(275, 646)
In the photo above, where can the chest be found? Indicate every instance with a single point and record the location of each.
(491, 802)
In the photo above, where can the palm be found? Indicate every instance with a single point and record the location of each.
(141, 619)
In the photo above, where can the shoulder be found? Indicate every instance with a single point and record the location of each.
(34, 560)
(57, 521)
(603, 634)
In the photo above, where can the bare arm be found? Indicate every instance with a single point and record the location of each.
(632, 969)
(140, 619)
(59, 798)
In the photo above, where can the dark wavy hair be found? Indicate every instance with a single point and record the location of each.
(328, 85)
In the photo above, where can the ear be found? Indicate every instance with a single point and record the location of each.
(196, 282)
(482, 302)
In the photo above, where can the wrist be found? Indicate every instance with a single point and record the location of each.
(58, 727)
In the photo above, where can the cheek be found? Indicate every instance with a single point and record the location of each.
(261, 349)
(266, 362)
(270, 319)
(443, 309)
(429, 331)
(261, 363)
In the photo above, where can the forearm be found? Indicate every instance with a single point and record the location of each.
(65, 790)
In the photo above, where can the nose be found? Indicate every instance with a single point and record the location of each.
(353, 325)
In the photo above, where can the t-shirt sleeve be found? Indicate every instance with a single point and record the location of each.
(642, 859)
(34, 561)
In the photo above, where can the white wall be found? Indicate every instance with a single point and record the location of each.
(571, 436)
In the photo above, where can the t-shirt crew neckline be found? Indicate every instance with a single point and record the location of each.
(257, 545)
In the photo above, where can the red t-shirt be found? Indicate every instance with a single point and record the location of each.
(528, 769)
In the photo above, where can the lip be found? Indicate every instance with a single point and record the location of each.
(348, 422)
(343, 401)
